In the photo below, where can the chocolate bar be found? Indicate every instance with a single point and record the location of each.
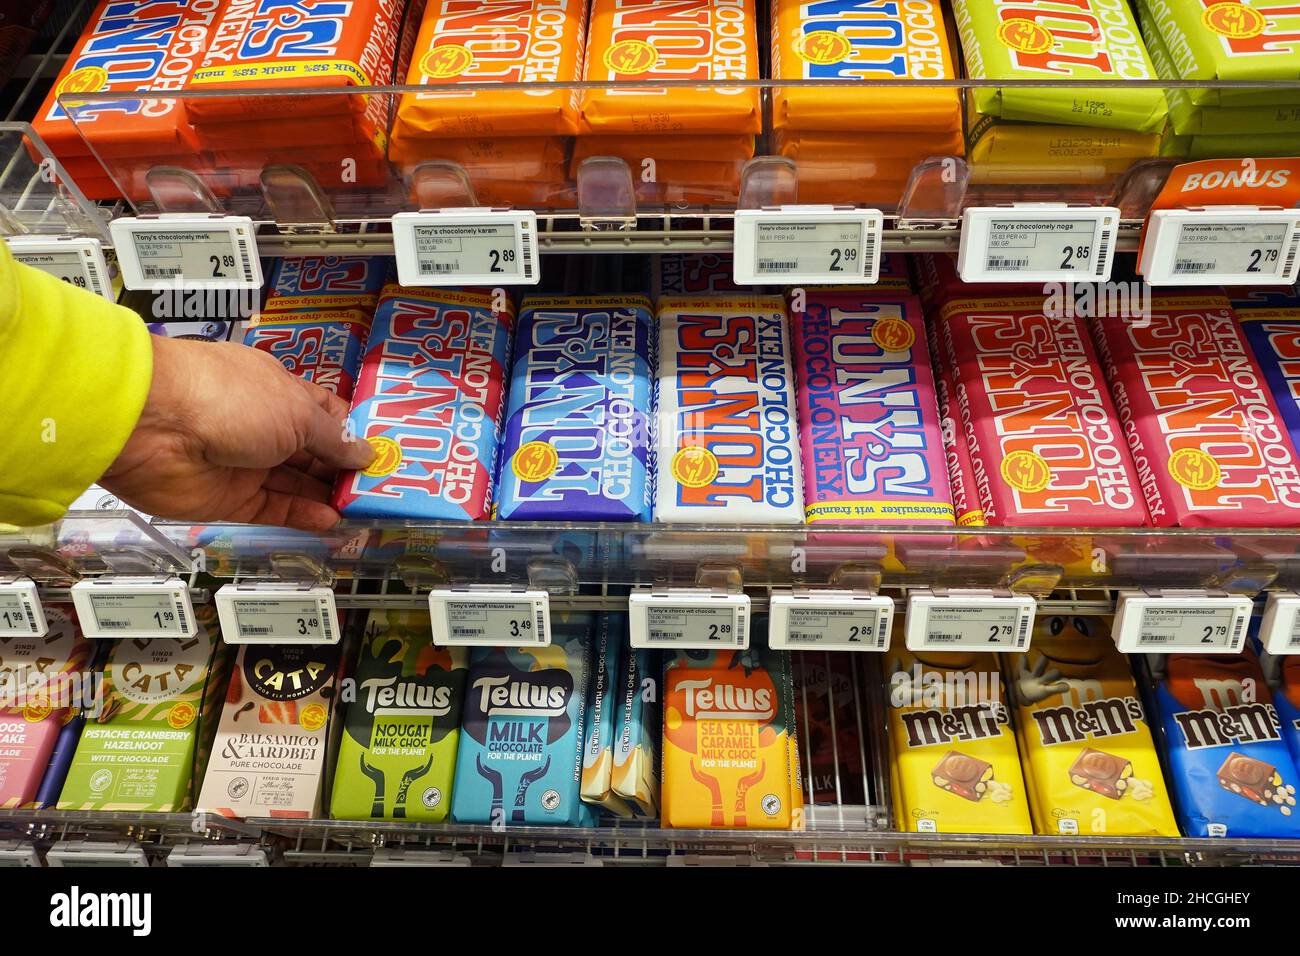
(576, 443)
(1250, 778)
(685, 273)
(429, 399)
(300, 283)
(322, 347)
(520, 759)
(1101, 773)
(727, 448)
(599, 725)
(868, 419)
(1274, 338)
(635, 778)
(962, 774)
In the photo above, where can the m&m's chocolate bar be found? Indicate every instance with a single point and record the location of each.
(727, 448)
(1209, 443)
(868, 419)
(429, 399)
(1045, 444)
(576, 443)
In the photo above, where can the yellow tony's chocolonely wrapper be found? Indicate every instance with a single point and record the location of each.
(710, 41)
(955, 768)
(865, 40)
(1089, 758)
(534, 41)
(728, 724)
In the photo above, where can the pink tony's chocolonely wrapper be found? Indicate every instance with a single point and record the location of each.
(961, 475)
(868, 419)
(1207, 439)
(1045, 443)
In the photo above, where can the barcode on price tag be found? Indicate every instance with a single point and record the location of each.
(496, 618)
(116, 607)
(21, 614)
(188, 252)
(475, 247)
(689, 619)
(1037, 242)
(277, 613)
(806, 244)
(969, 621)
(78, 262)
(1187, 623)
(1280, 628)
(1223, 244)
(830, 620)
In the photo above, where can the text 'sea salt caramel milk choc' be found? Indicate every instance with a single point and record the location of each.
(397, 755)
(161, 701)
(1231, 771)
(711, 41)
(727, 430)
(268, 758)
(1089, 759)
(954, 765)
(1210, 445)
(43, 682)
(728, 722)
(1045, 444)
(522, 736)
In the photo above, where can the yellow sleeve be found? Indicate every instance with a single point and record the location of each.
(74, 375)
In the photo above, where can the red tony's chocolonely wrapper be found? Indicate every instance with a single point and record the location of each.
(1045, 444)
(1208, 441)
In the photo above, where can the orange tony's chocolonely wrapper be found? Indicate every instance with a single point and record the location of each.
(637, 149)
(1209, 443)
(709, 41)
(1089, 758)
(518, 153)
(862, 40)
(296, 44)
(1045, 443)
(128, 45)
(954, 767)
(523, 41)
(728, 720)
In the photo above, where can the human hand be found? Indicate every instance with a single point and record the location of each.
(229, 434)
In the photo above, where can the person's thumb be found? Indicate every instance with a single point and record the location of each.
(330, 441)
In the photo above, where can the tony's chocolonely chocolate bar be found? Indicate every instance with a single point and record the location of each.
(868, 419)
(576, 442)
(1045, 444)
(1274, 338)
(1208, 441)
(429, 399)
(520, 758)
(322, 347)
(397, 755)
(727, 448)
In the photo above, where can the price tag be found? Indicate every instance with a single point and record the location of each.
(689, 618)
(490, 618)
(232, 854)
(467, 247)
(21, 614)
(1280, 628)
(1037, 242)
(96, 853)
(277, 613)
(1186, 622)
(145, 608)
(187, 251)
(1221, 244)
(18, 853)
(830, 620)
(807, 244)
(78, 262)
(397, 856)
(969, 620)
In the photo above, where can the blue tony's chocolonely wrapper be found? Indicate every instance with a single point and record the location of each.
(320, 346)
(576, 443)
(1274, 337)
(727, 435)
(520, 759)
(429, 399)
(1231, 771)
(314, 282)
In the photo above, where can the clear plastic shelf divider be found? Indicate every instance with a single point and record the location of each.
(441, 184)
(175, 189)
(606, 194)
(767, 182)
(296, 201)
(935, 193)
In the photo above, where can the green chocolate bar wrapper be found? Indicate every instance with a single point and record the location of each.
(1255, 41)
(1059, 40)
(162, 700)
(397, 756)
